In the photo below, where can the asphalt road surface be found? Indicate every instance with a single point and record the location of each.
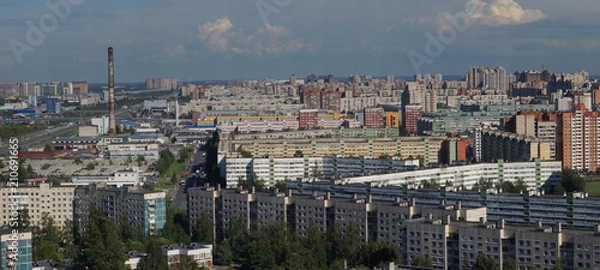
(192, 180)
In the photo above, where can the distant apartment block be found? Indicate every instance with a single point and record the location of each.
(498, 145)
(146, 209)
(161, 83)
(327, 100)
(80, 88)
(411, 113)
(374, 117)
(273, 169)
(484, 78)
(426, 147)
(102, 124)
(57, 202)
(309, 118)
(392, 119)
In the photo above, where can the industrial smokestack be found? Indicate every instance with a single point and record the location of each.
(112, 126)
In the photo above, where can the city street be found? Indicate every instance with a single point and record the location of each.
(193, 179)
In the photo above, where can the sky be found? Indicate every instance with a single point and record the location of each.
(67, 40)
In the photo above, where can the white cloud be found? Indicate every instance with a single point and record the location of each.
(505, 12)
(223, 36)
(175, 50)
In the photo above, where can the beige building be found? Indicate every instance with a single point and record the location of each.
(525, 125)
(546, 132)
(57, 202)
(418, 146)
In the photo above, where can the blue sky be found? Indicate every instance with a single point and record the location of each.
(226, 39)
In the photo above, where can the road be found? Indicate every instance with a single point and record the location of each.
(196, 163)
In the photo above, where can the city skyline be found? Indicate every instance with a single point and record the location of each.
(259, 39)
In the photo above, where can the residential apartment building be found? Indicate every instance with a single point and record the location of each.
(577, 141)
(17, 250)
(299, 211)
(341, 132)
(146, 209)
(273, 169)
(574, 210)
(410, 115)
(374, 117)
(331, 100)
(546, 132)
(512, 147)
(426, 147)
(161, 83)
(534, 174)
(56, 202)
(309, 119)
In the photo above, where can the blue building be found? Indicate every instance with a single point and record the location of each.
(53, 107)
(16, 250)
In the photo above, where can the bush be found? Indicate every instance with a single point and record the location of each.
(90, 166)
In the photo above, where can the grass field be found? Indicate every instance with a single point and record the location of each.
(593, 188)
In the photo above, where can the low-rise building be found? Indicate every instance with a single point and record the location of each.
(195, 252)
(127, 177)
(149, 151)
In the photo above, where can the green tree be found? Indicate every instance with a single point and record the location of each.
(298, 153)
(203, 231)
(558, 266)
(484, 262)
(261, 255)
(376, 254)
(103, 248)
(174, 178)
(23, 220)
(509, 264)
(281, 186)
(47, 147)
(430, 184)
(571, 181)
(155, 259)
(315, 242)
(90, 166)
(48, 238)
(224, 252)
(54, 181)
